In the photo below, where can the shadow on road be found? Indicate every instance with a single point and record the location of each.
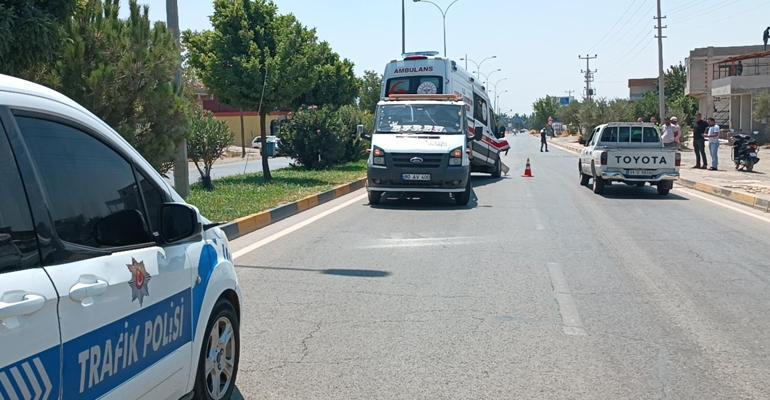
(355, 273)
(433, 201)
(621, 191)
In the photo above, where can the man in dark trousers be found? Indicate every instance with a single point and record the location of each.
(766, 36)
(699, 142)
(547, 130)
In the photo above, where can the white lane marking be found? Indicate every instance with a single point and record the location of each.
(724, 203)
(423, 242)
(295, 227)
(571, 323)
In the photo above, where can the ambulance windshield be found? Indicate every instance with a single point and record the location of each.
(419, 118)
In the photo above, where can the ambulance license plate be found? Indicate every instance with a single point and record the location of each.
(416, 177)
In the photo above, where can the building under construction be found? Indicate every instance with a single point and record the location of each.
(726, 81)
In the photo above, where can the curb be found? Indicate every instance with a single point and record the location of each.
(727, 194)
(738, 197)
(245, 225)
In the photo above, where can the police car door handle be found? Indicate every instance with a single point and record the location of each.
(28, 304)
(87, 288)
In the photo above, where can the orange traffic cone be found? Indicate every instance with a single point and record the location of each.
(528, 171)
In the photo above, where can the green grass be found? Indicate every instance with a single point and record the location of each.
(242, 195)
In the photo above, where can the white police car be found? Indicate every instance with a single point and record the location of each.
(110, 286)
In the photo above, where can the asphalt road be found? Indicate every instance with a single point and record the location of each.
(537, 290)
(232, 168)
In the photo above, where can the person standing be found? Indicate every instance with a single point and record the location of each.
(712, 134)
(654, 120)
(677, 132)
(766, 36)
(547, 130)
(699, 141)
(640, 120)
(668, 134)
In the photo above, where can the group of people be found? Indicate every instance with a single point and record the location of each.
(703, 131)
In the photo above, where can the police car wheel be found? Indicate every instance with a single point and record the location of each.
(218, 362)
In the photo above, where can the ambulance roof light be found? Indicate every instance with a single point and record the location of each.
(418, 97)
(419, 55)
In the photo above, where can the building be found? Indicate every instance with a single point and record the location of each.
(725, 81)
(637, 88)
(244, 125)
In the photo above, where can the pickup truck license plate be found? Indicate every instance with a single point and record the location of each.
(638, 172)
(415, 177)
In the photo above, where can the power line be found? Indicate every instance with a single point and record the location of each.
(606, 34)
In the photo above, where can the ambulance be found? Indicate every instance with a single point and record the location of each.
(111, 287)
(426, 73)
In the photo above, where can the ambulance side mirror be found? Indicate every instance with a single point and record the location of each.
(178, 221)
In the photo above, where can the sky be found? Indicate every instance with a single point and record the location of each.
(536, 42)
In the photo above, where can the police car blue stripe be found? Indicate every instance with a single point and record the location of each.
(105, 358)
(206, 265)
(36, 377)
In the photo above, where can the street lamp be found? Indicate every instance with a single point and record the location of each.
(486, 76)
(443, 15)
(497, 100)
(478, 65)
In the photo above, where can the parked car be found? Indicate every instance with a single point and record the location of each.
(111, 286)
(632, 153)
(256, 143)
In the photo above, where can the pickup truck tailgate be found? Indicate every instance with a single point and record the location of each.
(642, 159)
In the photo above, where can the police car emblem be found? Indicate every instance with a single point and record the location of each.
(140, 278)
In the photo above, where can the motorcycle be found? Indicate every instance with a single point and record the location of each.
(745, 151)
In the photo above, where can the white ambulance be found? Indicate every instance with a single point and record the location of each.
(111, 287)
(425, 73)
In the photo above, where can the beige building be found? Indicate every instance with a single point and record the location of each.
(637, 88)
(725, 81)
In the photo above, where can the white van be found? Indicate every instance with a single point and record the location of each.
(420, 144)
(425, 73)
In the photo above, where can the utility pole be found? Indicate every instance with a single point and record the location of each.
(569, 93)
(661, 76)
(403, 27)
(589, 75)
(181, 172)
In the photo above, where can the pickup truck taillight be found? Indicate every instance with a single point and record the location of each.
(678, 159)
(604, 158)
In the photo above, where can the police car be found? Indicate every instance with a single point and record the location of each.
(110, 285)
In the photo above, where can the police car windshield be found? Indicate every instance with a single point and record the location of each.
(419, 118)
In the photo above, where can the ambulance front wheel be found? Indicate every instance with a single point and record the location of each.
(218, 362)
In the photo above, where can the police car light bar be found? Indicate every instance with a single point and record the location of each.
(417, 97)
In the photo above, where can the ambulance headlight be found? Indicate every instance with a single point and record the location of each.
(378, 156)
(456, 157)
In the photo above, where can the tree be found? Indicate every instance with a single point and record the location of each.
(762, 107)
(314, 137)
(30, 32)
(647, 107)
(123, 71)
(335, 84)
(570, 115)
(206, 143)
(253, 59)
(543, 108)
(369, 89)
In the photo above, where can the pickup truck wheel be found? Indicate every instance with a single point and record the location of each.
(584, 179)
(598, 185)
(464, 197)
(374, 197)
(664, 188)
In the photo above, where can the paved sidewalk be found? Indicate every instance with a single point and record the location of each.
(750, 188)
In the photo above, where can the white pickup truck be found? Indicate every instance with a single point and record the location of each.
(631, 153)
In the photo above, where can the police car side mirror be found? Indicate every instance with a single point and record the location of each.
(178, 222)
(123, 228)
